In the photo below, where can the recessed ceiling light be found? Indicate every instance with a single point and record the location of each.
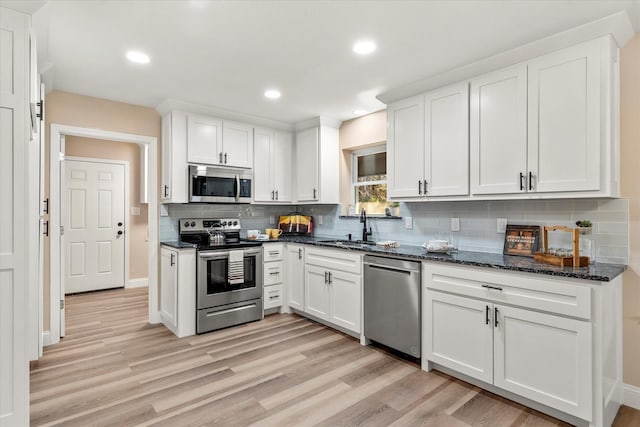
(359, 112)
(272, 94)
(364, 47)
(138, 57)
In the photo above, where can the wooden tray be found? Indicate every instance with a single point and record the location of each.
(560, 261)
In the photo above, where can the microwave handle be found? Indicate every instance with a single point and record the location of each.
(237, 188)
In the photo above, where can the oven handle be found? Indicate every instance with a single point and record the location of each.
(223, 254)
(230, 310)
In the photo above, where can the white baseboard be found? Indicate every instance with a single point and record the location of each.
(137, 283)
(632, 396)
(46, 338)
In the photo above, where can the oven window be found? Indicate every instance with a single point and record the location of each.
(204, 186)
(217, 276)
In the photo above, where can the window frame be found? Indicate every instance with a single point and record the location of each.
(374, 149)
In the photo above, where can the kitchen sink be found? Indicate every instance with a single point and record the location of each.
(351, 243)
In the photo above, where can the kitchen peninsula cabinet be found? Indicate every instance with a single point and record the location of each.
(428, 144)
(552, 341)
(178, 290)
(273, 166)
(317, 168)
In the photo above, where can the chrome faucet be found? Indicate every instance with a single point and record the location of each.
(363, 220)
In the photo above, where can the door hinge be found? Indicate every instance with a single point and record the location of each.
(61, 304)
(62, 230)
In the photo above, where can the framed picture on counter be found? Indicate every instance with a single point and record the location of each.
(521, 240)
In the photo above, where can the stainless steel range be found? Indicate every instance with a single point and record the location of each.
(228, 272)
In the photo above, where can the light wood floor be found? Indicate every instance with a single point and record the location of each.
(113, 368)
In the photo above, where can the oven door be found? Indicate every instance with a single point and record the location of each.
(219, 185)
(213, 285)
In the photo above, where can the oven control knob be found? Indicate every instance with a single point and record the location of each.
(235, 222)
(186, 224)
(193, 223)
(224, 223)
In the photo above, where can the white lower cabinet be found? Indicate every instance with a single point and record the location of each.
(178, 290)
(294, 266)
(562, 351)
(333, 287)
(273, 275)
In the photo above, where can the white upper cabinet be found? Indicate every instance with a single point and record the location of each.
(499, 132)
(428, 144)
(405, 148)
(212, 141)
(174, 158)
(564, 119)
(237, 144)
(204, 140)
(273, 157)
(446, 115)
(317, 155)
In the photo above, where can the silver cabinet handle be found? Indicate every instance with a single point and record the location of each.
(425, 187)
(273, 194)
(497, 288)
(326, 277)
(299, 253)
(419, 187)
(225, 158)
(276, 194)
(173, 260)
(330, 278)
(220, 156)
(315, 192)
(531, 181)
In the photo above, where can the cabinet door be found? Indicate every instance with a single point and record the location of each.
(169, 287)
(237, 144)
(545, 358)
(282, 166)
(458, 334)
(263, 166)
(564, 119)
(498, 113)
(204, 139)
(346, 299)
(446, 124)
(317, 292)
(165, 191)
(405, 147)
(307, 161)
(295, 276)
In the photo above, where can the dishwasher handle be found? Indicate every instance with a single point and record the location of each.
(388, 268)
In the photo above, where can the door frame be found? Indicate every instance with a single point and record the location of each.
(56, 154)
(63, 260)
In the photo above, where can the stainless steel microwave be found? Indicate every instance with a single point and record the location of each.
(212, 184)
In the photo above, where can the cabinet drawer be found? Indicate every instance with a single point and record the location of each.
(273, 273)
(273, 296)
(273, 252)
(545, 294)
(335, 259)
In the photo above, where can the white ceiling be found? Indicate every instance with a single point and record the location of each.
(226, 53)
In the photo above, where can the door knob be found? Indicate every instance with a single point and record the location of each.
(119, 224)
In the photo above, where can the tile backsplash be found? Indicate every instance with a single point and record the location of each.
(432, 220)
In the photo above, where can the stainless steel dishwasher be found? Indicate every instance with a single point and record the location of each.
(392, 303)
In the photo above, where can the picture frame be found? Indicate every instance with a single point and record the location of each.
(521, 240)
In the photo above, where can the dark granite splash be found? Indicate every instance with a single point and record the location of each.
(596, 272)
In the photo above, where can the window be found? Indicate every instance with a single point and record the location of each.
(369, 182)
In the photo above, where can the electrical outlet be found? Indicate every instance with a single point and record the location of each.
(272, 220)
(320, 219)
(135, 210)
(501, 225)
(455, 224)
(408, 222)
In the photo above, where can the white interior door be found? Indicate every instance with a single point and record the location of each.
(93, 204)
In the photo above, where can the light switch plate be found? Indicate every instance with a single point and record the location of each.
(320, 219)
(163, 210)
(455, 224)
(501, 225)
(272, 220)
(408, 222)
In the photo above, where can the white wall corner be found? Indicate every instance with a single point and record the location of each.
(632, 396)
(138, 283)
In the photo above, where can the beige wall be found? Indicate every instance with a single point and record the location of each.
(83, 111)
(355, 134)
(630, 182)
(114, 150)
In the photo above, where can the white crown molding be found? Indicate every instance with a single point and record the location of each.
(618, 25)
(171, 104)
(318, 121)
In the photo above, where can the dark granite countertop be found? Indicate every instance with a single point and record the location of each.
(178, 244)
(596, 272)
